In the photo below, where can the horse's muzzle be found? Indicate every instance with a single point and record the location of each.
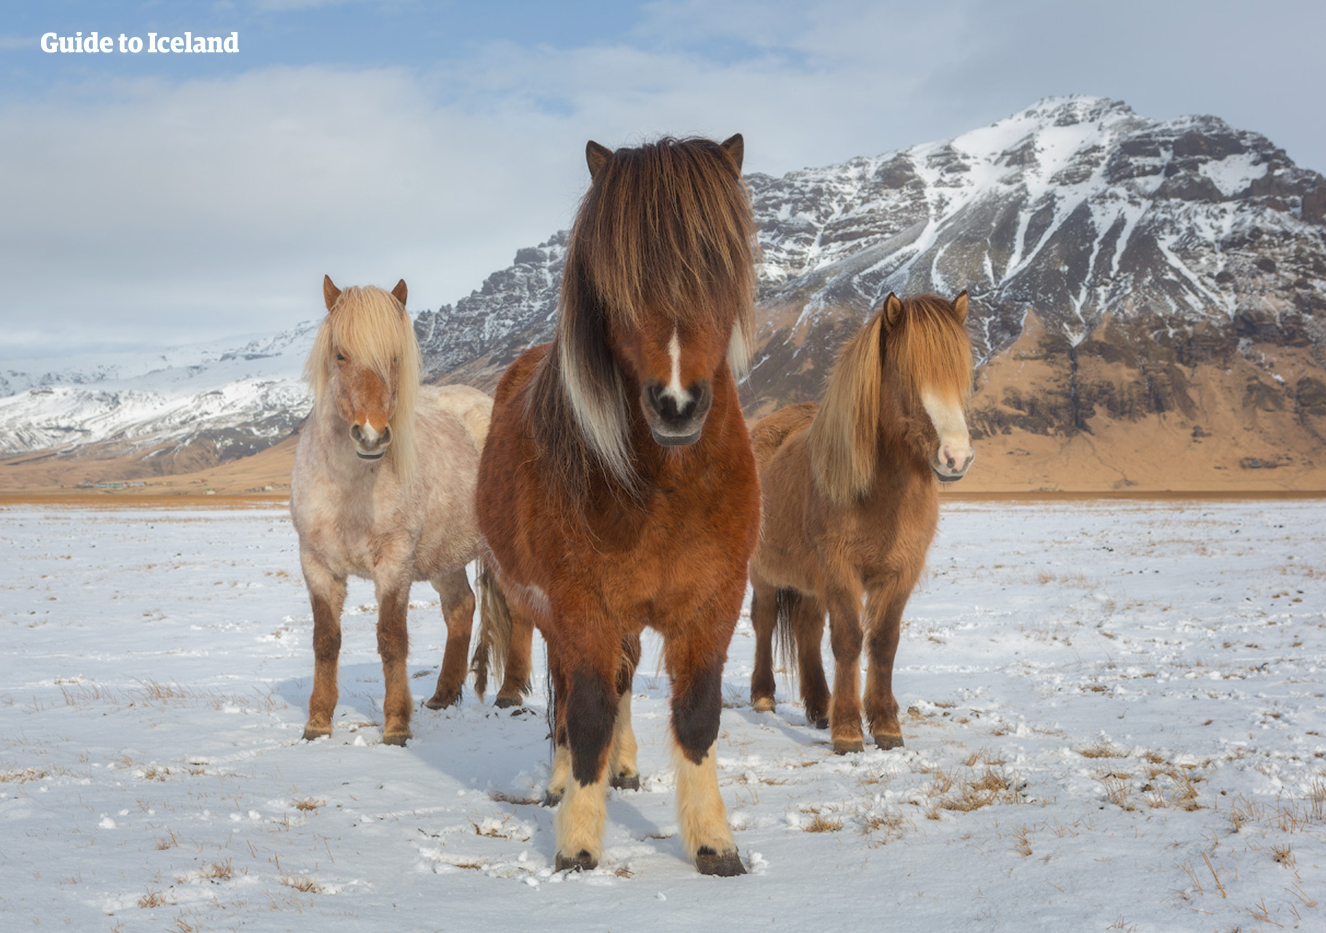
(953, 469)
(676, 419)
(369, 444)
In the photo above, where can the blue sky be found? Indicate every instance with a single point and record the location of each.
(162, 199)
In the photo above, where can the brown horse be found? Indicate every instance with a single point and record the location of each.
(617, 487)
(383, 488)
(851, 502)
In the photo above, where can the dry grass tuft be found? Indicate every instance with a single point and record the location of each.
(169, 841)
(23, 775)
(1101, 749)
(153, 899)
(822, 824)
(301, 883)
(218, 871)
(308, 804)
(1022, 841)
(1283, 855)
(1118, 792)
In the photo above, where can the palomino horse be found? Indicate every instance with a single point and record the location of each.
(383, 488)
(617, 487)
(851, 502)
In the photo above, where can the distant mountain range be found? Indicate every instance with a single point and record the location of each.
(1133, 281)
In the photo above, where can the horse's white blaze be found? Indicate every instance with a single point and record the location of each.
(674, 387)
(701, 815)
(955, 452)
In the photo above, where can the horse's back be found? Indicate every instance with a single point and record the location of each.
(468, 405)
(769, 433)
(519, 373)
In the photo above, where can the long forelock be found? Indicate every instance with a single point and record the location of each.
(370, 327)
(666, 230)
(931, 350)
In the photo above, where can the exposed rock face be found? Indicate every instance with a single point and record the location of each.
(1134, 261)
(1122, 271)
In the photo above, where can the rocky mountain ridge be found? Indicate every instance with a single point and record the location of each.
(1123, 272)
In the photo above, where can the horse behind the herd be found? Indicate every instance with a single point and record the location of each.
(383, 488)
(851, 502)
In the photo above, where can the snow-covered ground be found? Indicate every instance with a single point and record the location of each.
(1115, 717)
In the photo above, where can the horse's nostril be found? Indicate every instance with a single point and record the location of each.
(385, 437)
(356, 433)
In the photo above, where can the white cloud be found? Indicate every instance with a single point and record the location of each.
(155, 211)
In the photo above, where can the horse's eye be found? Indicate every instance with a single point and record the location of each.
(340, 357)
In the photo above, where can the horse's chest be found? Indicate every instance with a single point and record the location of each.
(351, 537)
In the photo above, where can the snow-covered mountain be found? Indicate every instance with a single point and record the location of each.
(234, 397)
(1120, 262)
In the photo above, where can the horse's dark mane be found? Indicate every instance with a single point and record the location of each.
(664, 230)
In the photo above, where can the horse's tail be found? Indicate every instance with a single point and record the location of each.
(494, 643)
(786, 602)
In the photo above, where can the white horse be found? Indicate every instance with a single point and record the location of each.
(383, 488)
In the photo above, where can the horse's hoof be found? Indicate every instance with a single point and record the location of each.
(396, 738)
(625, 781)
(552, 798)
(724, 864)
(822, 723)
(316, 732)
(762, 704)
(817, 717)
(442, 700)
(581, 861)
(888, 741)
(847, 746)
(506, 702)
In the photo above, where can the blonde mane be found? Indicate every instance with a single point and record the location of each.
(923, 342)
(372, 328)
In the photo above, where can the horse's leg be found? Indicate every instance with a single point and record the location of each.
(623, 771)
(590, 701)
(845, 639)
(516, 682)
(561, 766)
(884, 610)
(763, 617)
(808, 634)
(458, 610)
(696, 666)
(394, 647)
(327, 594)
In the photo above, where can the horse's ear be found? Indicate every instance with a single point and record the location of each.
(892, 310)
(960, 306)
(736, 147)
(399, 292)
(329, 292)
(597, 156)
